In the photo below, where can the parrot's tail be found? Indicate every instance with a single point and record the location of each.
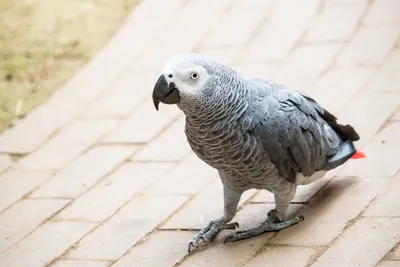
(346, 132)
(358, 155)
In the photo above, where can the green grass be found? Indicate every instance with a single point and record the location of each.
(44, 42)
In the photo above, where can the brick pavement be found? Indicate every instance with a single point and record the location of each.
(87, 181)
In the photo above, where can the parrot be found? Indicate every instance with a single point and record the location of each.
(256, 133)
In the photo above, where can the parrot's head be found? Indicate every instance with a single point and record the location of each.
(188, 80)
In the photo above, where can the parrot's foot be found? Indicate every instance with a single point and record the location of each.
(208, 233)
(272, 224)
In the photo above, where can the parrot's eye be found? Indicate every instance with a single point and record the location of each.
(194, 75)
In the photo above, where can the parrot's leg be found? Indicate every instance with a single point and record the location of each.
(208, 233)
(273, 223)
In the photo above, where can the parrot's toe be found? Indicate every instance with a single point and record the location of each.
(208, 233)
(266, 226)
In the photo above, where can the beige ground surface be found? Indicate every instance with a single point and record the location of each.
(44, 42)
(99, 178)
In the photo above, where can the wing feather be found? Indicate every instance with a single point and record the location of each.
(292, 130)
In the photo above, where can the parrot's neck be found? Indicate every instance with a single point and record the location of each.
(227, 108)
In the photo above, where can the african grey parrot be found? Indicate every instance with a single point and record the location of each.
(256, 133)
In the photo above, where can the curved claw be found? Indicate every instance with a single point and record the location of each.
(192, 246)
(230, 226)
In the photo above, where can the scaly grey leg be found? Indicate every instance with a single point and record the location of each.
(208, 233)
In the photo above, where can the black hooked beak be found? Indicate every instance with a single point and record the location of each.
(167, 94)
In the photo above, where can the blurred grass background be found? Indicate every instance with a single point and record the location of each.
(44, 42)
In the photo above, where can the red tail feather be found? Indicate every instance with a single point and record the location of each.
(358, 155)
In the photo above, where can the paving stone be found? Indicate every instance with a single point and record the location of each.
(297, 72)
(189, 176)
(179, 36)
(388, 203)
(396, 116)
(5, 162)
(327, 27)
(133, 39)
(15, 184)
(395, 255)
(377, 107)
(84, 172)
(253, 5)
(334, 90)
(256, 69)
(34, 212)
(171, 145)
(300, 72)
(275, 72)
(118, 188)
(278, 256)
(80, 263)
(370, 45)
(112, 239)
(301, 11)
(348, 1)
(235, 27)
(382, 155)
(125, 95)
(278, 35)
(323, 53)
(331, 210)
(160, 249)
(290, 73)
(54, 238)
(206, 206)
(389, 264)
(383, 11)
(223, 55)
(274, 41)
(386, 78)
(150, 125)
(40, 124)
(226, 255)
(362, 249)
(68, 144)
